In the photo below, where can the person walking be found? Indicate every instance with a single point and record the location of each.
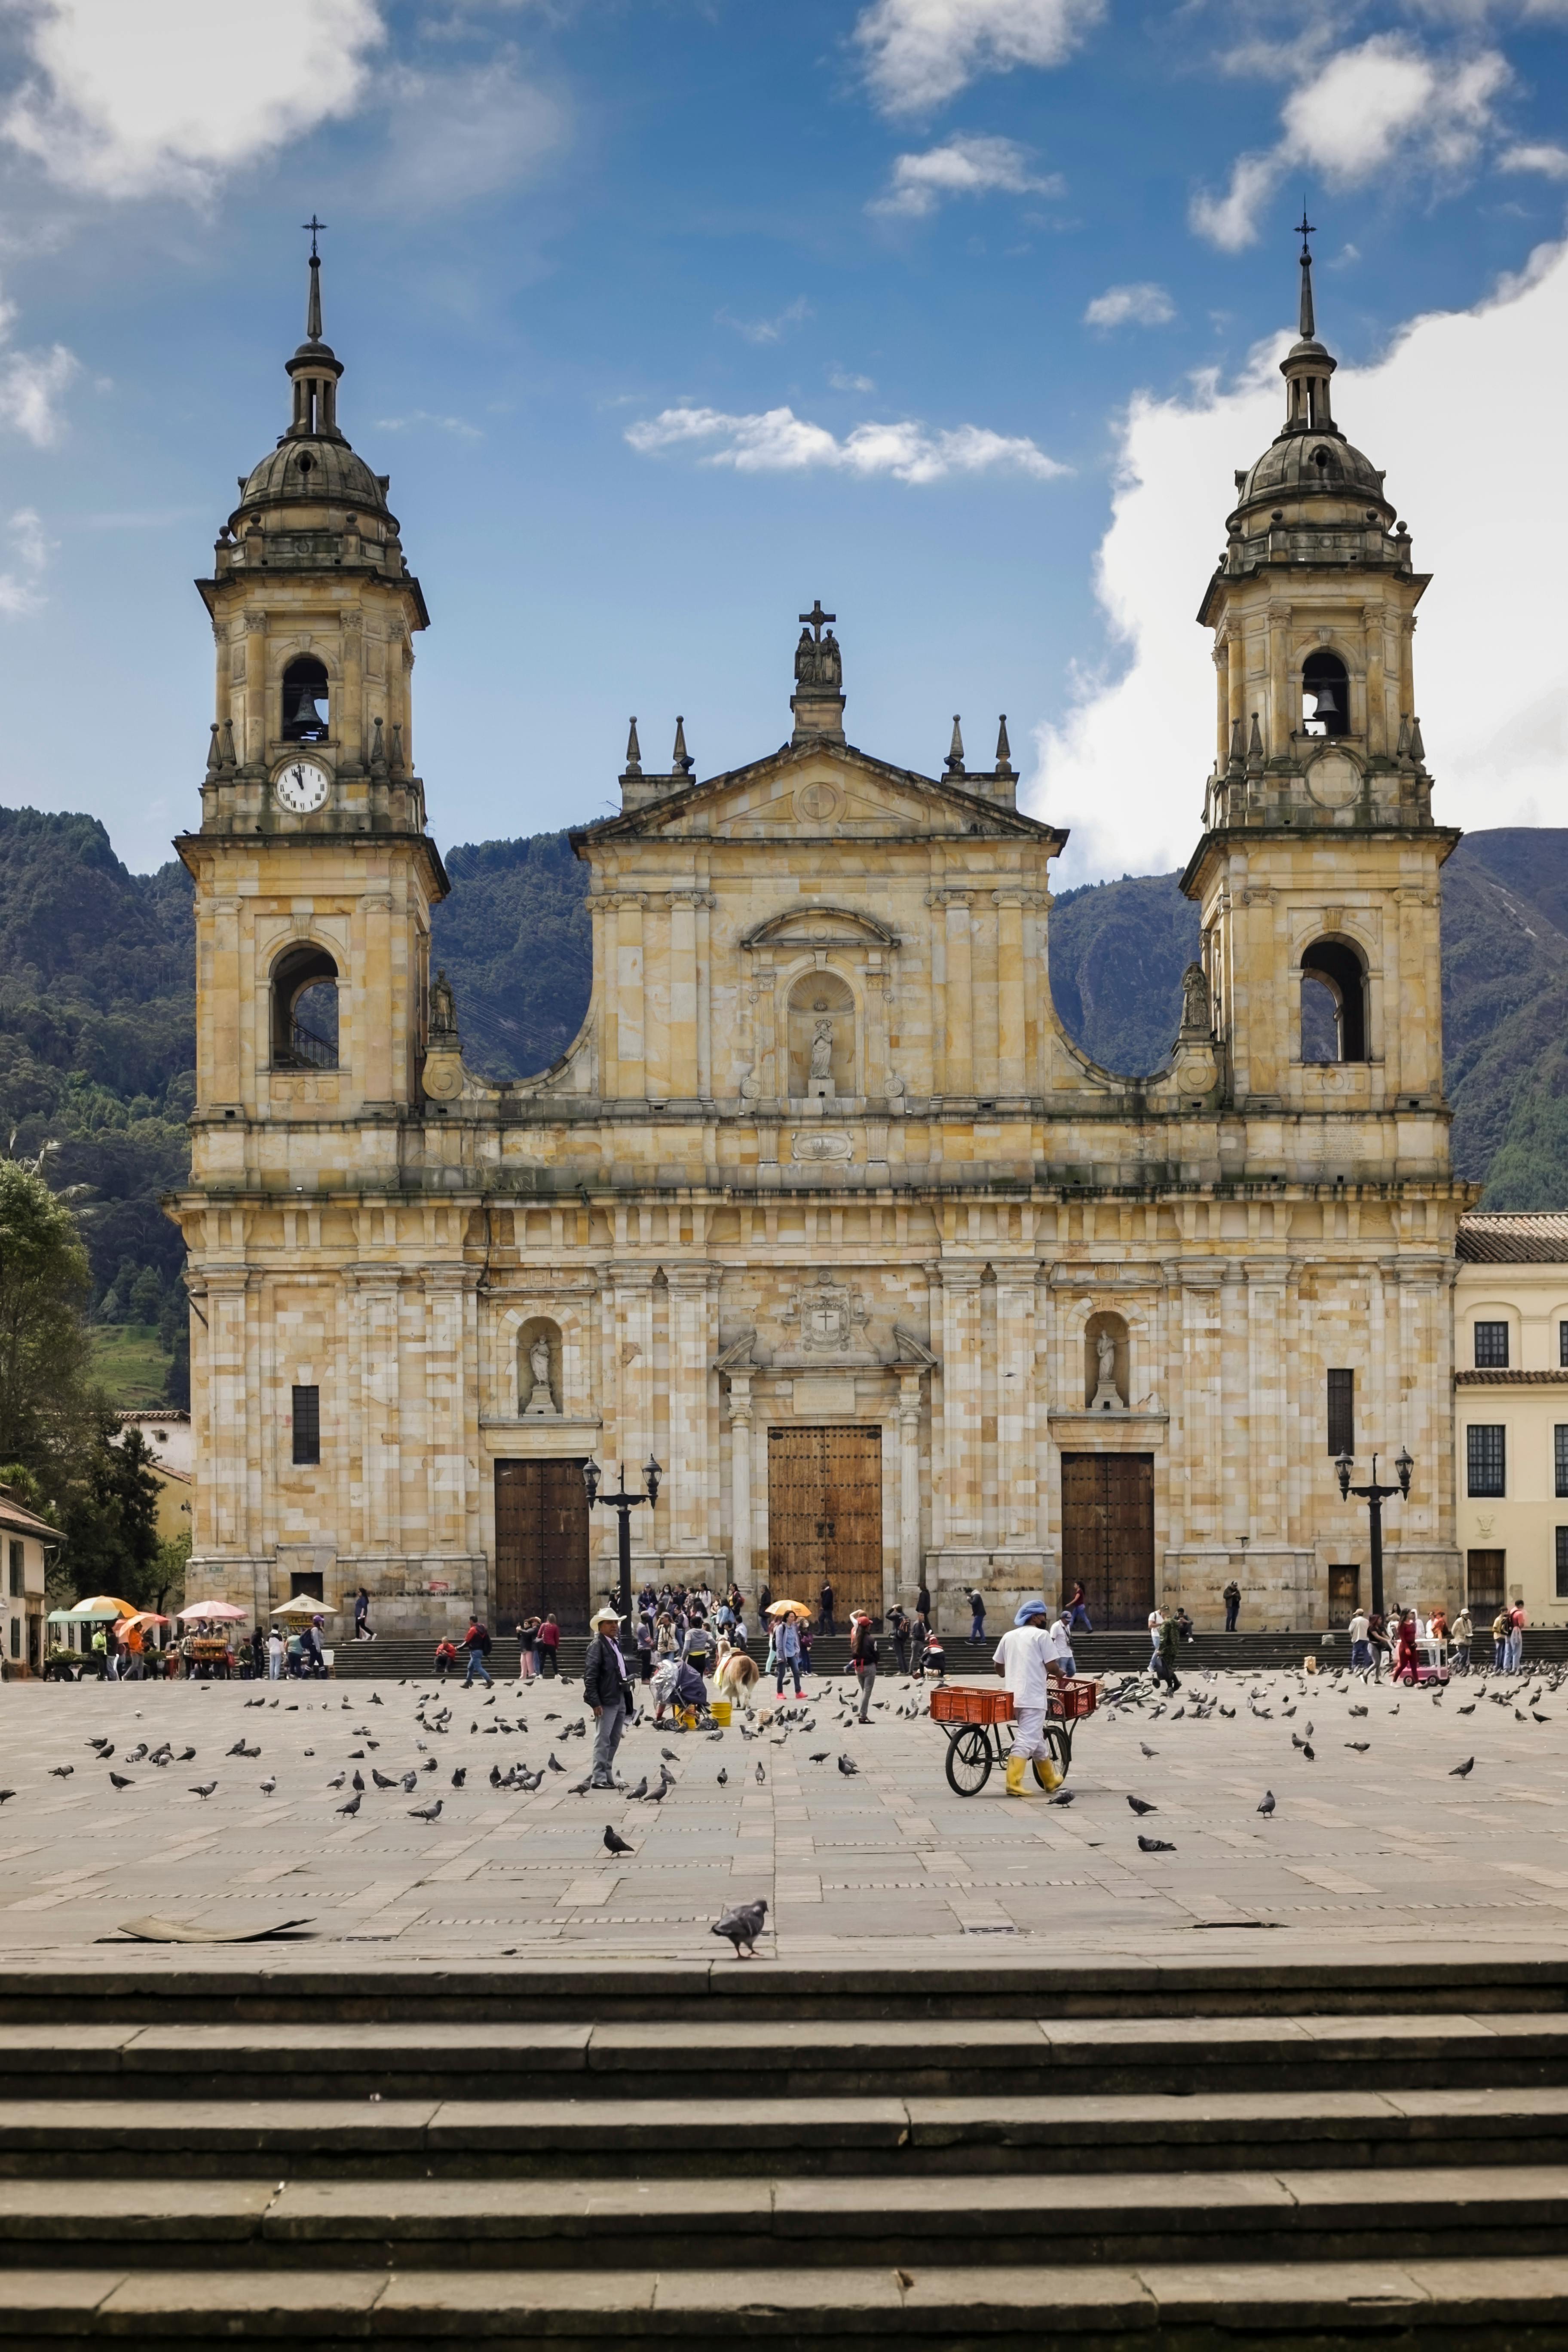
(1078, 1609)
(477, 1642)
(549, 1646)
(1231, 1598)
(1028, 1657)
(899, 1626)
(1360, 1648)
(362, 1616)
(863, 1656)
(607, 1690)
(824, 1602)
(977, 1616)
(1156, 1619)
(1166, 1655)
(275, 1655)
(1377, 1642)
(786, 1652)
(1464, 1633)
(645, 1642)
(258, 1654)
(1405, 1659)
(1501, 1628)
(803, 1627)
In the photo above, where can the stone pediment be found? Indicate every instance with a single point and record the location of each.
(833, 791)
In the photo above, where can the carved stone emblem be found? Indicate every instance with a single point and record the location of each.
(823, 1143)
(828, 1315)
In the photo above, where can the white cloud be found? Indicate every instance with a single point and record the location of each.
(1126, 766)
(1552, 161)
(170, 95)
(31, 384)
(460, 136)
(919, 53)
(768, 331)
(419, 417)
(842, 381)
(778, 441)
(1131, 306)
(964, 166)
(1387, 101)
(29, 551)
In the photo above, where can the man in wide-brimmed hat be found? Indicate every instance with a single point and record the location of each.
(606, 1686)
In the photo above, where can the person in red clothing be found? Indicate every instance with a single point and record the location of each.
(1405, 1655)
(549, 1640)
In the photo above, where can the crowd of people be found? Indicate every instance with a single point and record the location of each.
(1407, 1643)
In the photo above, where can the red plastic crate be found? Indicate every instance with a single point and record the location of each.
(1079, 1697)
(968, 1703)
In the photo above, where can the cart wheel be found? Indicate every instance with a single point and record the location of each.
(968, 1760)
(1059, 1741)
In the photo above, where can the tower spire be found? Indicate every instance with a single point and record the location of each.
(313, 308)
(1304, 229)
(314, 369)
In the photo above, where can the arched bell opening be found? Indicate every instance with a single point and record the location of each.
(1325, 694)
(1333, 1003)
(305, 702)
(305, 1011)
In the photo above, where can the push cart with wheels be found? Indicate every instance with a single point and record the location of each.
(972, 1717)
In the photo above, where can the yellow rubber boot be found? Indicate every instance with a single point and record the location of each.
(1016, 1767)
(1046, 1772)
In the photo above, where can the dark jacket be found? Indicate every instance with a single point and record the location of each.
(602, 1685)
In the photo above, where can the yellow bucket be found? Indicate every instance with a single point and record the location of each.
(719, 1711)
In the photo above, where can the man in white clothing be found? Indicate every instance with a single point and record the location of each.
(1026, 1658)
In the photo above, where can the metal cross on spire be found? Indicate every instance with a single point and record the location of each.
(315, 227)
(816, 617)
(1304, 229)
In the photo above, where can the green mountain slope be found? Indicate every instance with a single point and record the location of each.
(96, 1015)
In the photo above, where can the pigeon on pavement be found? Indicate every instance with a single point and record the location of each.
(1462, 1771)
(354, 1804)
(1268, 1804)
(1141, 1805)
(744, 1924)
(613, 1844)
(848, 1766)
(119, 1779)
(1156, 1845)
(426, 1813)
(204, 1789)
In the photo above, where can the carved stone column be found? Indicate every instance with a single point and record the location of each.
(909, 1485)
(740, 1480)
(690, 1293)
(961, 1398)
(1017, 1505)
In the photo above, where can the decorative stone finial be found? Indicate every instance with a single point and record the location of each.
(377, 752)
(954, 766)
(634, 753)
(681, 763)
(1004, 748)
(1254, 749)
(215, 756)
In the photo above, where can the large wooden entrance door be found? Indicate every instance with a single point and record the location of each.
(541, 1544)
(1108, 1535)
(825, 1516)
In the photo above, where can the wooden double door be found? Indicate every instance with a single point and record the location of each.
(541, 1544)
(825, 1516)
(1108, 1535)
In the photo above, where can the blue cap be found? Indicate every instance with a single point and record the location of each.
(1031, 1609)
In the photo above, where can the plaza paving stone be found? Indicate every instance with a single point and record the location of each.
(1381, 1853)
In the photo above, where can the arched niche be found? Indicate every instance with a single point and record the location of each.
(306, 713)
(1333, 1002)
(1107, 1362)
(305, 1009)
(1325, 694)
(540, 1388)
(821, 1020)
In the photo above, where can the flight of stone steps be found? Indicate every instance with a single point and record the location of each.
(1002, 2156)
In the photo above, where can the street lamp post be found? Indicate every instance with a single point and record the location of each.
(619, 1501)
(1374, 1496)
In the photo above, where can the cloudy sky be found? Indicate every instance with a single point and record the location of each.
(667, 316)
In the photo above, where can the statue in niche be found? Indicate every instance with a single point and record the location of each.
(1196, 1015)
(540, 1398)
(1107, 1397)
(443, 1009)
(822, 1050)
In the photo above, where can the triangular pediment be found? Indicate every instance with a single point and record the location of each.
(829, 789)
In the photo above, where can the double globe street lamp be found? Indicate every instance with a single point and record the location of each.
(1374, 1497)
(617, 1499)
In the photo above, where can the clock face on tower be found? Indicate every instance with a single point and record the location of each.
(302, 786)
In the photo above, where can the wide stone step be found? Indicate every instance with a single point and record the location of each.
(1065, 2058)
(950, 2218)
(1471, 2305)
(754, 2137)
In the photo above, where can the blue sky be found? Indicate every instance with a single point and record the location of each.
(666, 317)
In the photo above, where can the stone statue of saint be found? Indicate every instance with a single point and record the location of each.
(1107, 1397)
(1104, 1349)
(540, 1400)
(1195, 1013)
(822, 1050)
(443, 1010)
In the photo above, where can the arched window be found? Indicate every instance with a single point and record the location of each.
(1333, 1003)
(305, 1011)
(1325, 694)
(305, 718)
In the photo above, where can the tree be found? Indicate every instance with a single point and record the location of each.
(111, 1517)
(49, 1408)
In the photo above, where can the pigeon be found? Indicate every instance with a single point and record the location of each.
(61, 1771)
(1147, 1751)
(667, 1754)
(581, 1788)
(1467, 1710)
(744, 1924)
(1141, 1805)
(459, 1775)
(1308, 1753)
(848, 1766)
(339, 1782)
(104, 1747)
(383, 1780)
(119, 1779)
(495, 1775)
(239, 1749)
(269, 1784)
(410, 1782)
(821, 1758)
(426, 1813)
(357, 1784)
(1359, 1746)
(761, 1774)
(137, 1754)
(1267, 1807)
(640, 1791)
(1156, 1845)
(1296, 1740)
(723, 1783)
(656, 1796)
(375, 1698)
(554, 1766)
(1462, 1771)
(204, 1789)
(613, 1844)
(354, 1804)
(1062, 1797)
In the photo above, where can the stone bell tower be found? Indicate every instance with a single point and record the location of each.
(315, 876)
(1317, 870)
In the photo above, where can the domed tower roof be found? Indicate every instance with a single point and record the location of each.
(313, 464)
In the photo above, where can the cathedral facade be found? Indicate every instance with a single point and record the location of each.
(822, 1210)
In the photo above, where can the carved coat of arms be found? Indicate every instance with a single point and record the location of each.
(828, 1315)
